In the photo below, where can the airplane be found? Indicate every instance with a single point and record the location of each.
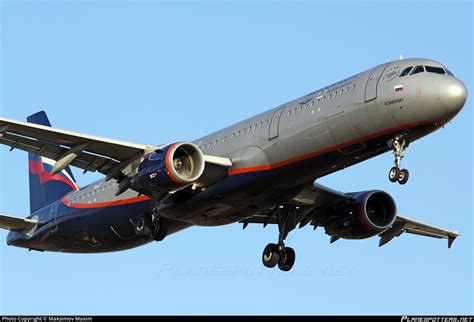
(262, 170)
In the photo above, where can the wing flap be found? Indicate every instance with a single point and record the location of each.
(91, 153)
(84, 160)
(115, 149)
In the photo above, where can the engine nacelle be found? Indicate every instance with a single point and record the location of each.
(369, 213)
(170, 168)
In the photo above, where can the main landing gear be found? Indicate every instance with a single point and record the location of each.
(278, 254)
(398, 146)
(153, 225)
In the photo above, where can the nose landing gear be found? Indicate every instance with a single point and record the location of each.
(398, 146)
(280, 255)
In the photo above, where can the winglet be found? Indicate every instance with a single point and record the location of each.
(452, 238)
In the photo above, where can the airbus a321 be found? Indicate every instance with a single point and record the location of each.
(262, 170)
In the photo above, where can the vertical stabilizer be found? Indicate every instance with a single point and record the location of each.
(46, 188)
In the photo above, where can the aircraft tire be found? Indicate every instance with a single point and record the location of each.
(403, 176)
(287, 259)
(143, 226)
(159, 230)
(394, 174)
(271, 255)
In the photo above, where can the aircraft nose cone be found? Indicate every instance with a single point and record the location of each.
(453, 95)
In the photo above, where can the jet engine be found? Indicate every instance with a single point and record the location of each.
(170, 168)
(367, 214)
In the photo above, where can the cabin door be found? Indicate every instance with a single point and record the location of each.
(274, 128)
(371, 86)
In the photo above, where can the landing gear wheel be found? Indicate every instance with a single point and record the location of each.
(394, 174)
(403, 176)
(271, 255)
(143, 225)
(398, 146)
(277, 254)
(287, 259)
(159, 229)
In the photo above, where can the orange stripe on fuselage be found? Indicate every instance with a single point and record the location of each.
(110, 203)
(253, 169)
(326, 150)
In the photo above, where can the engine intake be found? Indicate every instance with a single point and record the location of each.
(369, 213)
(170, 168)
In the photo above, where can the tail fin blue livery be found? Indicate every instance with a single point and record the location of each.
(44, 187)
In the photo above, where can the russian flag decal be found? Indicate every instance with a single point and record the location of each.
(398, 88)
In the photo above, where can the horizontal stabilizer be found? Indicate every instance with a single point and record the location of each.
(17, 224)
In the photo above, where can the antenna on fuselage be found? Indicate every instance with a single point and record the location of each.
(401, 57)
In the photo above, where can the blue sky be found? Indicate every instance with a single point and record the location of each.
(157, 72)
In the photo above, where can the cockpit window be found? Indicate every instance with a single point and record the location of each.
(436, 70)
(406, 71)
(449, 72)
(417, 69)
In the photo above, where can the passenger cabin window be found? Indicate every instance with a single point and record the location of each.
(417, 69)
(406, 71)
(436, 70)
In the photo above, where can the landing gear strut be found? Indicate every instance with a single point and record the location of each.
(151, 225)
(398, 146)
(159, 225)
(278, 254)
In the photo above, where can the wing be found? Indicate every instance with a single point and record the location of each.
(91, 153)
(403, 224)
(310, 200)
(318, 197)
(88, 152)
(17, 224)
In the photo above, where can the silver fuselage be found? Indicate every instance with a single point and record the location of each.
(277, 153)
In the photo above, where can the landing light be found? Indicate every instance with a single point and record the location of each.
(455, 90)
